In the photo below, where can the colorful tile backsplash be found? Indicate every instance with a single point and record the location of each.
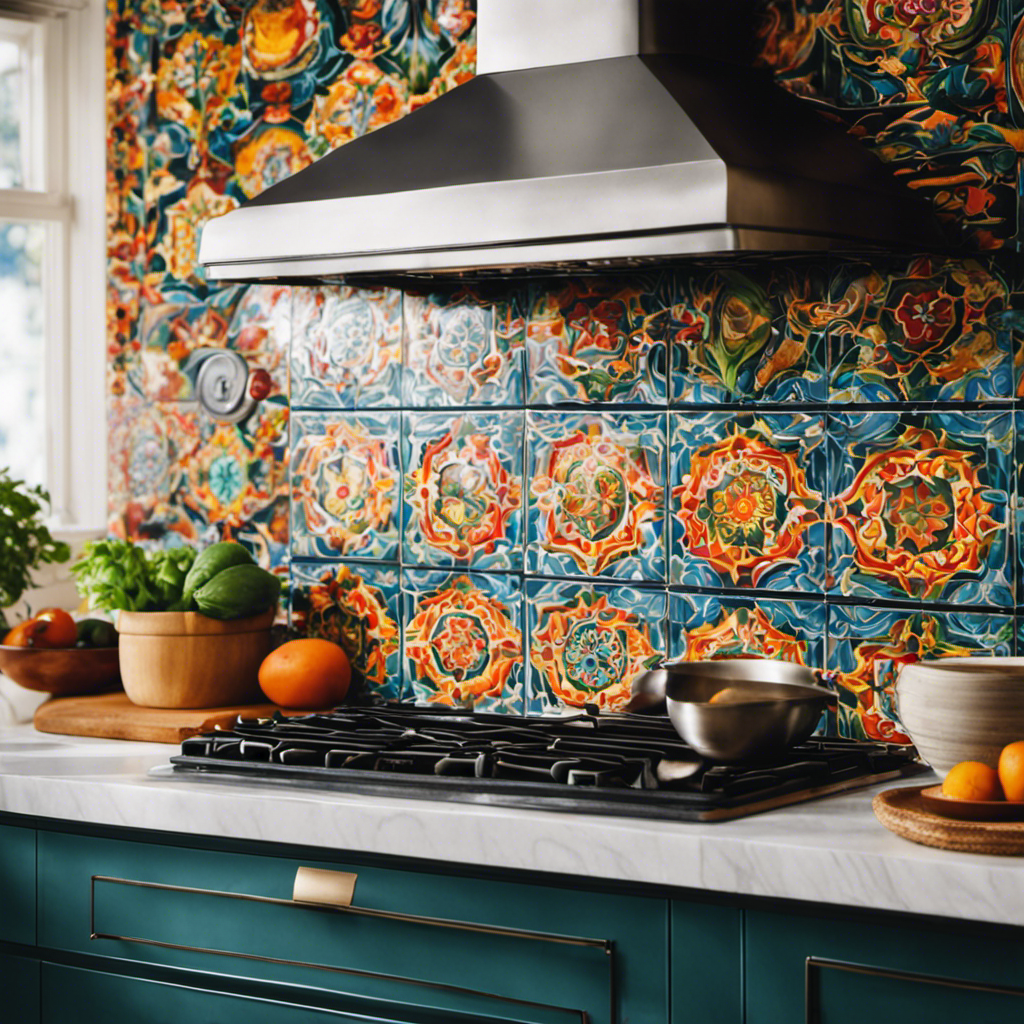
(549, 511)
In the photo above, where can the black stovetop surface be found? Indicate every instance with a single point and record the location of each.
(630, 765)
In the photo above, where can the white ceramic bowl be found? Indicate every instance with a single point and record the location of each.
(962, 709)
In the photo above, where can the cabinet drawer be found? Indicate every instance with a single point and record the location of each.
(19, 983)
(829, 970)
(520, 976)
(18, 872)
(73, 995)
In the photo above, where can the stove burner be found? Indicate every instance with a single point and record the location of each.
(630, 765)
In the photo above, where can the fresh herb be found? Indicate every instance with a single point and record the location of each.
(116, 575)
(25, 542)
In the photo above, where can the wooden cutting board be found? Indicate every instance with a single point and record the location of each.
(114, 716)
(903, 812)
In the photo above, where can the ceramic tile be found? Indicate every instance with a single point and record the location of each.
(357, 606)
(463, 639)
(597, 494)
(346, 485)
(588, 641)
(596, 340)
(930, 330)
(464, 348)
(920, 506)
(463, 489)
(747, 504)
(745, 332)
(347, 348)
(868, 645)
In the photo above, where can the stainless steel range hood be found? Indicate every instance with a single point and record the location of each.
(597, 132)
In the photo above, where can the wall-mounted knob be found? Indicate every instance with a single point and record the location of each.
(223, 386)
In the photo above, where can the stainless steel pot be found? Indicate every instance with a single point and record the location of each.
(771, 705)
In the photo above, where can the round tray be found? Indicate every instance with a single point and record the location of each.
(904, 812)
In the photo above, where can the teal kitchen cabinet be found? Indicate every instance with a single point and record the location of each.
(18, 881)
(19, 990)
(842, 970)
(707, 968)
(462, 944)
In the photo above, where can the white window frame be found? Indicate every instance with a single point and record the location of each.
(70, 197)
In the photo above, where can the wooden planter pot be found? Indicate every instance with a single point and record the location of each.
(186, 660)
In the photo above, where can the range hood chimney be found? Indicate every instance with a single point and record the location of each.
(597, 133)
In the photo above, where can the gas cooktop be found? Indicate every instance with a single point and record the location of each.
(628, 765)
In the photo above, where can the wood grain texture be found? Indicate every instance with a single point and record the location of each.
(114, 716)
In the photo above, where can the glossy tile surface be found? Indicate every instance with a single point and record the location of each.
(588, 642)
(597, 493)
(347, 347)
(346, 485)
(920, 506)
(464, 489)
(357, 606)
(747, 503)
(463, 639)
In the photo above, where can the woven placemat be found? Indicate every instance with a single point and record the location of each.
(901, 811)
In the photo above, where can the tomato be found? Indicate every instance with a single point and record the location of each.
(54, 628)
(20, 636)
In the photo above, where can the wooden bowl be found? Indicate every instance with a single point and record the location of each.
(62, 671)
(186, 660)
(962, 709)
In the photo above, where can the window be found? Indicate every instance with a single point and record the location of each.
(51, 252)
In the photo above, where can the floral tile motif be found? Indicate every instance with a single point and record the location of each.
(589, 641)
(347, 349)
(867, 646)
(463, 490)
(345, 485)
(747, 332)
(596, 340)
(464, 348)
(933, 330)
(597, 494)
(463, 639)
(920, 506)
(357, 606)
(748, 500)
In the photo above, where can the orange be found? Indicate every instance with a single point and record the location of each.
(731, 695)
(308, 673)
(52, 627)
(1011, 771)
(972, 780)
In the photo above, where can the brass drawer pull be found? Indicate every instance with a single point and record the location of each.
(328, 897)
(815, 966)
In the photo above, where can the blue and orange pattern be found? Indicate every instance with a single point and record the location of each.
(518, 496)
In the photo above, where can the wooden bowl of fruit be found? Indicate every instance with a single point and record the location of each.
(53, 654)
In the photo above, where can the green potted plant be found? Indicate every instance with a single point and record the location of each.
(25, 542)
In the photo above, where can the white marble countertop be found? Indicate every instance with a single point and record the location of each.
(831, 850)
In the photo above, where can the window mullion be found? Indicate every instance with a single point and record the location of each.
(22, 204)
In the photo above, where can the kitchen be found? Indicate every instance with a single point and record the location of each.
(729, 288)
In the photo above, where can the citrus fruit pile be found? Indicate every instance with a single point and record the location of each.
(972, 780)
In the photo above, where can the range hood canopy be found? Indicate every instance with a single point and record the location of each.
(596, 133)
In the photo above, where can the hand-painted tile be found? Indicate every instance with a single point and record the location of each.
(597, 501)
(867, 646)
(463, 489)
(920, 506)
(347, 348)
(464, 348)
(747, 504)
(705, 627)
(463, 639)
(346, 485)
(588, 641)
(933, 330)
(747, 332)
(357, 606)
(596, 340)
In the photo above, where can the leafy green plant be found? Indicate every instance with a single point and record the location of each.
(116, 575)
(25, 542)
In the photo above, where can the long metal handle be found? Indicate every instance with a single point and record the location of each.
(607, 946)
(815, 966)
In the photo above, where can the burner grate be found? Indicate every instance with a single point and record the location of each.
(616, 764)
